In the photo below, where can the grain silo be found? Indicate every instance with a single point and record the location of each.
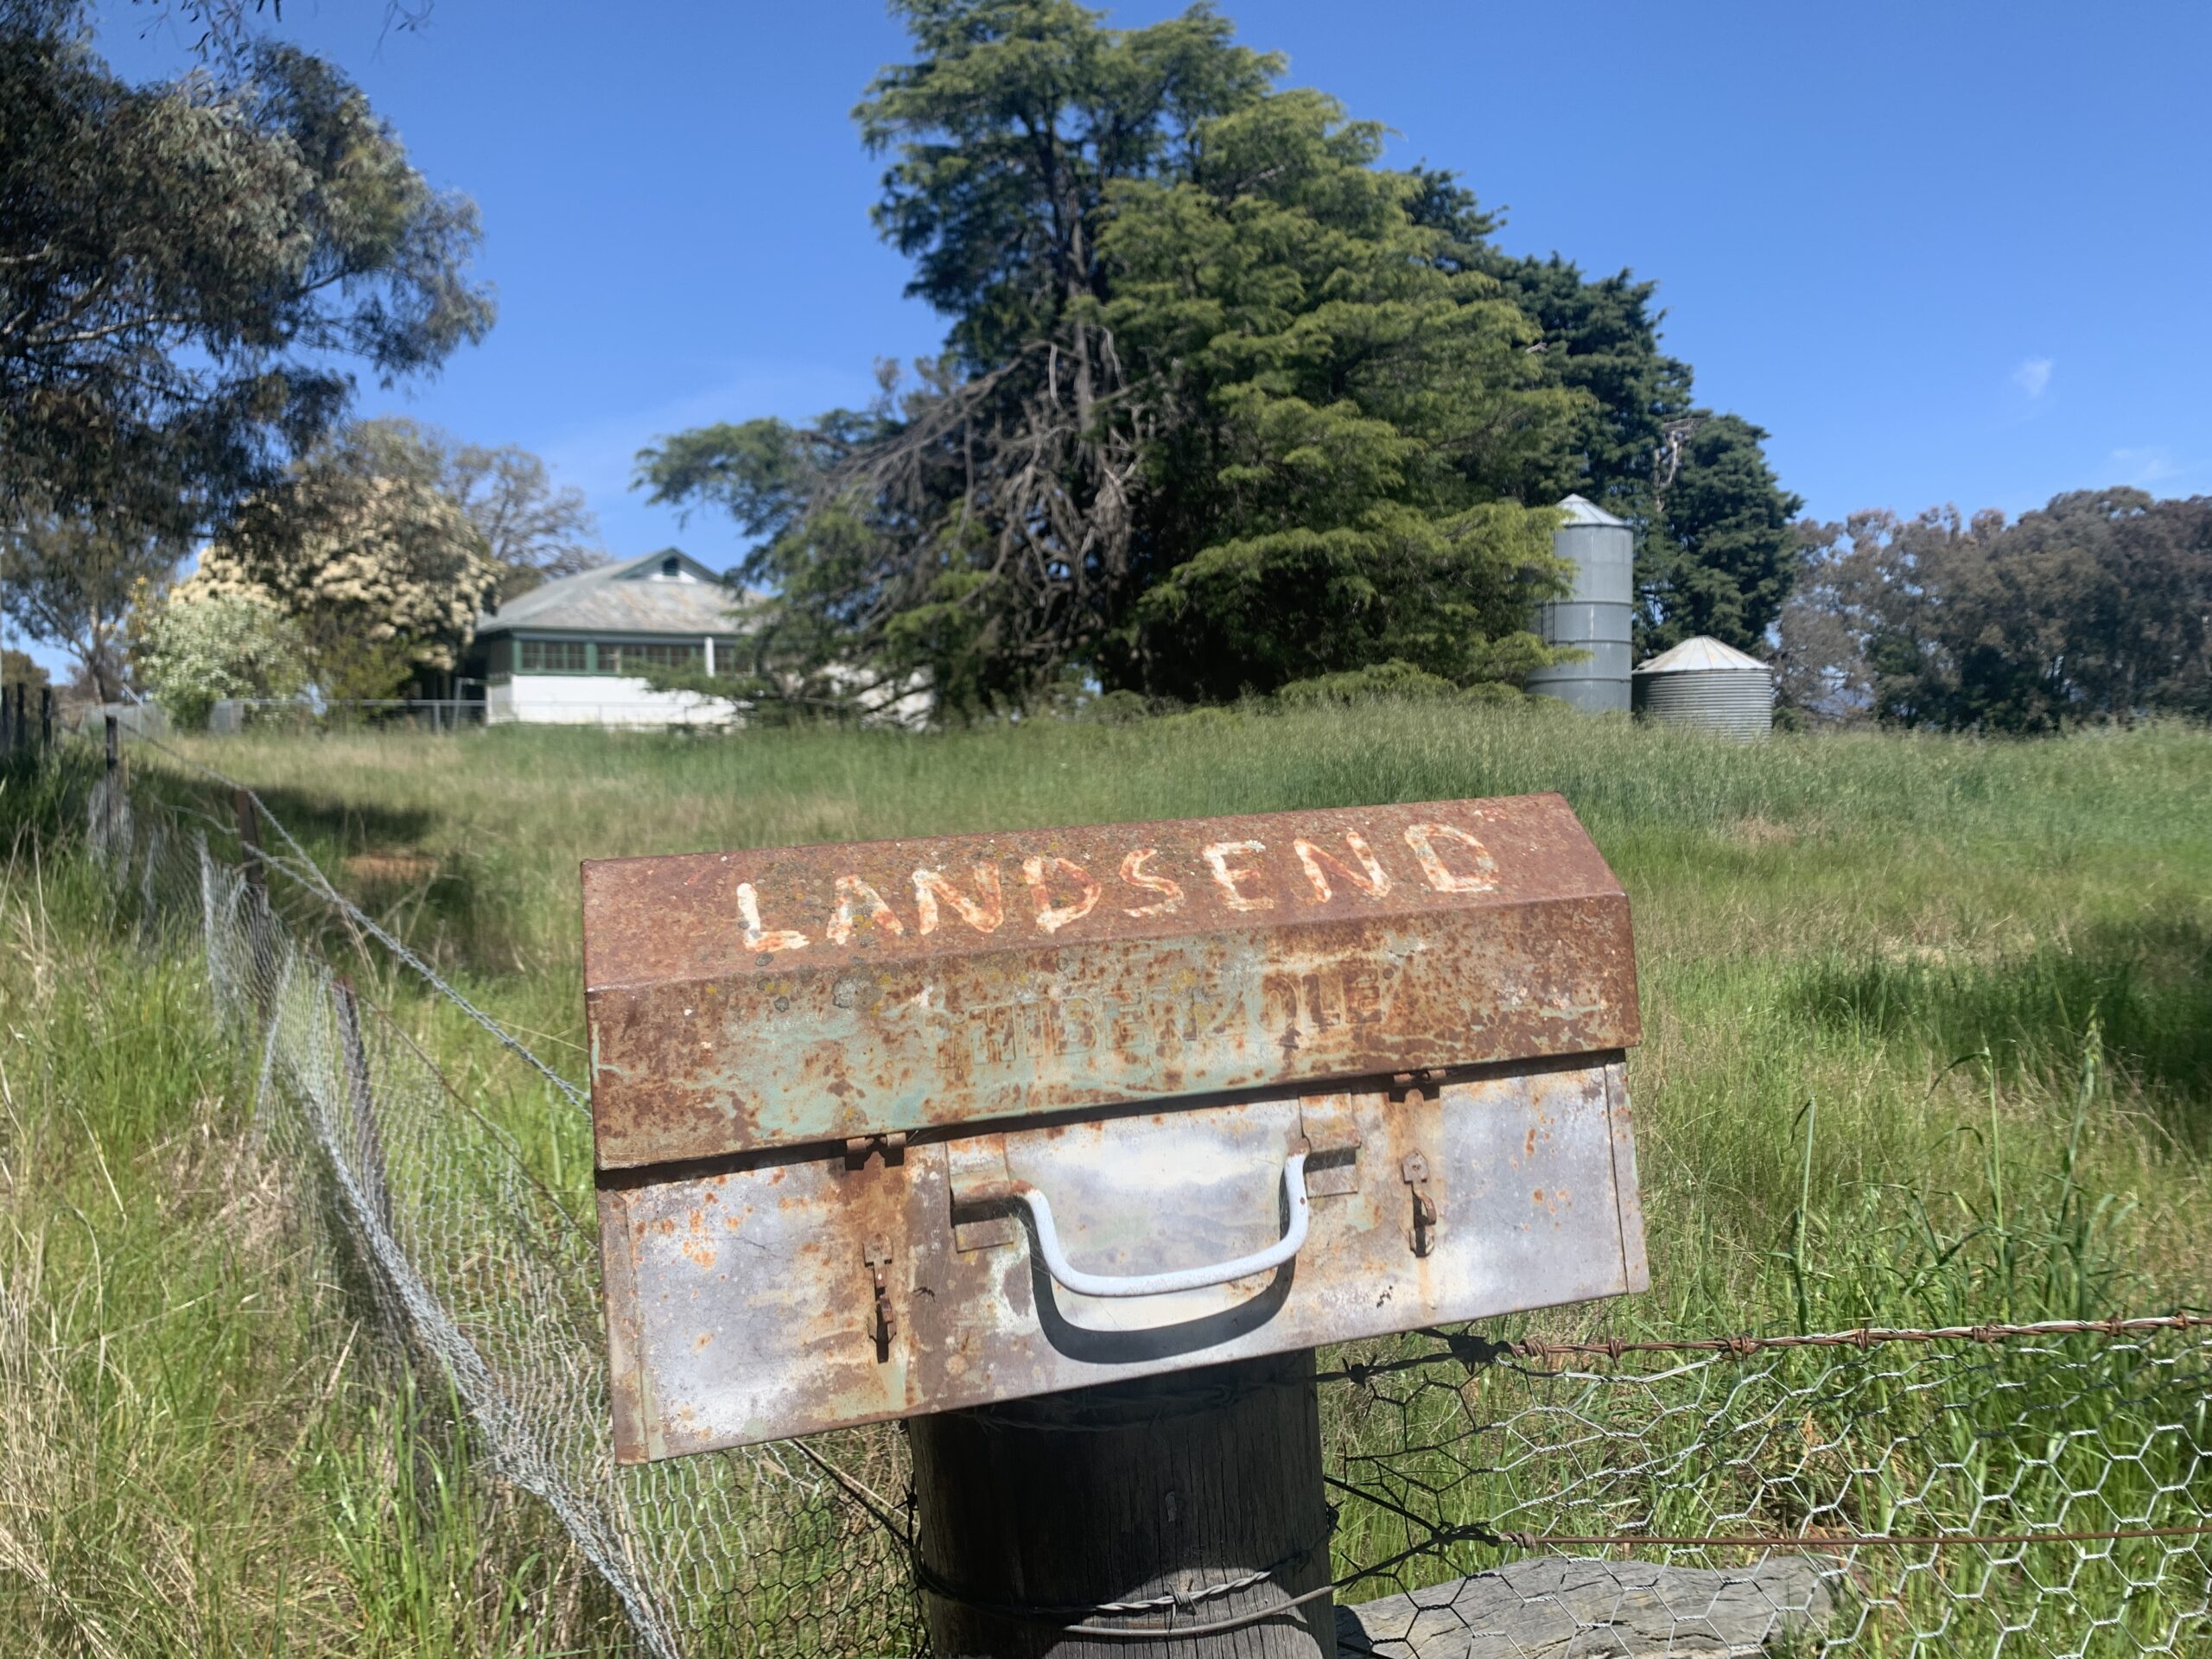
(1594, 617)
(1704, 683)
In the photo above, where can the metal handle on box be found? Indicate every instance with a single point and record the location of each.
(1073, 1278)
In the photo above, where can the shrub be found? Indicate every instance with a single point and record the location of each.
(192, 649)
(1394, 679)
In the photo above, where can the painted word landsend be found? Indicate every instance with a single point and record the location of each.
(739, 1000)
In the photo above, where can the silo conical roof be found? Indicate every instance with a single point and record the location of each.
(1703, 655)
(1580, 510)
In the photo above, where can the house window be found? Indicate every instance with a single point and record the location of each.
(551, 656)
(635, 658)
(672, 566)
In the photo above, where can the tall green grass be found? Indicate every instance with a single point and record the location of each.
(1925, 1040)
(1861, 956)
(205, 1446)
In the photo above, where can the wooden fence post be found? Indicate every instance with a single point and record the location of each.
(113, 804)
(257, 873)
(46, 717)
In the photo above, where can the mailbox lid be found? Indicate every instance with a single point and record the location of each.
(790, 996)
(740, 1301)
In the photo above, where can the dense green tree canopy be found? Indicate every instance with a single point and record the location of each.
(1347, 427)
(191, 272)
(1719, 554)
(1226, 404)
(1715, 553)
(2097, 606)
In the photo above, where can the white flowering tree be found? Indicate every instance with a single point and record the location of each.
(382, 573)
(193, 647)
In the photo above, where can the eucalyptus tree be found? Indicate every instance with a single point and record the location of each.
(192, 272)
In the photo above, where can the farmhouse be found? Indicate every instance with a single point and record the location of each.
(573, 651)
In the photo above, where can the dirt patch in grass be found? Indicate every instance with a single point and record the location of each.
(389, 869)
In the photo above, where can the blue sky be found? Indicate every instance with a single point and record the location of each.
(1941, 253)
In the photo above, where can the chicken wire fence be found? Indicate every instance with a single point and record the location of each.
(2000, 1490)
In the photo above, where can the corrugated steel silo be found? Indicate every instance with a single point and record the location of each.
(1595, 616)
(1704, 683)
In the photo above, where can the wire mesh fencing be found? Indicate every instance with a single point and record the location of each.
(1991, 1489)
(485, 1268)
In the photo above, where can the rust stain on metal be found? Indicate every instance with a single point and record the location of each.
(828, 1081)
(790, 995)
(811, 1342)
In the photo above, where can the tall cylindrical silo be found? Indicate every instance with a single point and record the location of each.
(1706, 684)
(1595, 616)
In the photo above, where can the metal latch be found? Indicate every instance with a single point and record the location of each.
(882, 1150)
(1415, 1171)
(876, 1255)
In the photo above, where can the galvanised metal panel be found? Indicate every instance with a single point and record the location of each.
(788, 995)
(1597, 615)
(785, 1293)
(1736, 703)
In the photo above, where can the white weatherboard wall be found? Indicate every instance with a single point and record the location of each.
(594, 700)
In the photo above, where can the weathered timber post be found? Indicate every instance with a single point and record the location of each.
(46, 717)
(7, 721)
(24, 715)
(249, 821)
(1035, 1515)
(1070, 1146)
(112, 807)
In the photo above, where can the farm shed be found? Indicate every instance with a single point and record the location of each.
(573, 650)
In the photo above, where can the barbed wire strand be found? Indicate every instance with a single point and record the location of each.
(1472, 1349)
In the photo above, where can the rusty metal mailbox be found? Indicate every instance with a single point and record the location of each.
(905, 1126)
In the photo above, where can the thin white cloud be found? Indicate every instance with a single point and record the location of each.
(2033, 376)
(2147, 466)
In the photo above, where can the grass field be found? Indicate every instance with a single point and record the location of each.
(1928, 1037)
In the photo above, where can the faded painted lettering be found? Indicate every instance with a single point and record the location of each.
(1051, 918)
(1240, 877)
(1230, 882)
(758, 938)
(1370, 878)
(984, 913)
(1422, 837)
(1301, 1009)
(856, 900)
(1134, 873)
(1080, 1027)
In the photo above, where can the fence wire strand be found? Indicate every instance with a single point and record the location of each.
(1962, 1490)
